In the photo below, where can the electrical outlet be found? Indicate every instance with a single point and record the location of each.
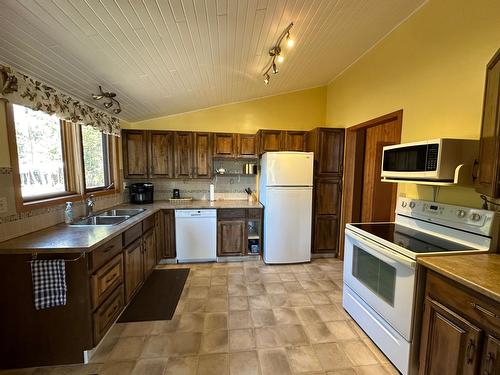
(3, 205)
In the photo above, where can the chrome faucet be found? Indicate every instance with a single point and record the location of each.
(89, 205)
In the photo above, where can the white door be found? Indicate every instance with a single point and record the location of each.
(287, 225)
(384, 279)
(288, 168)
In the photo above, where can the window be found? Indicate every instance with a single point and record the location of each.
(40, 154)
(96, 160)
(55, 161)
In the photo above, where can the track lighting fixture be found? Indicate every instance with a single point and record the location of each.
(276, 53)
(111, 100)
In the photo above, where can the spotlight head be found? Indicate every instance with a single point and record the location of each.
(97, 97)
(289, 41)
(275, 68)
(266, 79)
(117, 110)
(108, 104)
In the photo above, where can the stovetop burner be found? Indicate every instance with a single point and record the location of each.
(411, 239)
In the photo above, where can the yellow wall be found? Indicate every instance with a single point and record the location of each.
(433, 67)
(299, 110)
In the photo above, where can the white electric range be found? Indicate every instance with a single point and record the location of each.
(380, 268)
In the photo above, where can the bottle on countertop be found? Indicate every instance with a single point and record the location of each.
(212, 193)
(68, 213)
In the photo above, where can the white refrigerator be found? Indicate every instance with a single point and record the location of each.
(285, 190)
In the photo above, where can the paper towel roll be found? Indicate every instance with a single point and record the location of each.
(212, 193)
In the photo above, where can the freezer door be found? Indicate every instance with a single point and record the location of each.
(287, 168)
(287, 225)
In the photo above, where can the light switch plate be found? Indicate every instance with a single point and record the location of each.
(3, 205)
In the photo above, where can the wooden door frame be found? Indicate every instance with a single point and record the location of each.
(353, 170)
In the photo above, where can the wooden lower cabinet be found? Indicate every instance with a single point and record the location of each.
(133, 269)
(450, 343)
(231, 237)
(148, 253)
(460, 330)
(107, 313)
(165, 235)
(326, 229)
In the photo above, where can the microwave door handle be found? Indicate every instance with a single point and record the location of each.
(369, 245)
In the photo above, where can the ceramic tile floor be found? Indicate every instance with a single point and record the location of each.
(243, 318)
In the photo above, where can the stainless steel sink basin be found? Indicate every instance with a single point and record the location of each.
(101, 220)
(122, 212)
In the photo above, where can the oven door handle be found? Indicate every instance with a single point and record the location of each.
(370, 245)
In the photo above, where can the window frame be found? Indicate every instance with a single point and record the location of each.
(108, 167)
(23, 203)
(74, 170)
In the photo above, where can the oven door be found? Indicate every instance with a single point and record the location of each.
(383, 278)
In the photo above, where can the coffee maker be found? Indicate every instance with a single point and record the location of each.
(141, 193)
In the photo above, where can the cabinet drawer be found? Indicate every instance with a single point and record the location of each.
(130, 235)
(105, 252)
(230, 213)
(254, 213)
(107, 314)
(464, 301)
(106, 279)
(148, 223)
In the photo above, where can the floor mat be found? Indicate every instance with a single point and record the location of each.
(158, 297)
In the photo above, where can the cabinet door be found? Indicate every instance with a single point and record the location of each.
(183, 148)
(148, 253)
(247, 145)
(450, 344)
(224, 145)
(133, 269)
(135, 154)
(295, 141)
(491, 362)
(203, 155)
(331, 152)
(270, 140)
(166, 235)
(231, 237)
(488, 180)
(326, 229)
(327, 196)
(161, 154)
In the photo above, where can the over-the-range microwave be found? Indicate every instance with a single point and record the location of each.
(434, 160)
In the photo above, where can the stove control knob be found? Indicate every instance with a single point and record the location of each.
(412, 204)
(460, 213)
(475, 217)
(404, 204)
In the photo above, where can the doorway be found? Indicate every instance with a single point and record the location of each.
(365, 197)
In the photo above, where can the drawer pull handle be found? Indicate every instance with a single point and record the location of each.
(109, 248)
(484, 311)
(490, 359)
(470, 351)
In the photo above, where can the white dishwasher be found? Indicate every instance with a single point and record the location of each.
(196, 235)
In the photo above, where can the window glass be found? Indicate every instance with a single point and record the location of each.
(95, 158)
(40, 153)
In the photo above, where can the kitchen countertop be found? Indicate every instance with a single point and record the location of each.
(65, 238)
(480, 272)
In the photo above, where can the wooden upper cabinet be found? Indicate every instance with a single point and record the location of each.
(295, 141)
(224, 145)
(161, 154)
(270, 140)
(328, 147)
(183, 154)
(488, 180)
(135, 153)
(202, 155)
(450, 343)
(247, 145)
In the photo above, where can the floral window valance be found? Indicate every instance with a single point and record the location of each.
(20, 89)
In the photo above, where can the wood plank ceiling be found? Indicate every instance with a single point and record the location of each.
(170, 56)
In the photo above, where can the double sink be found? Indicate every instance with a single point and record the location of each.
(110, 217)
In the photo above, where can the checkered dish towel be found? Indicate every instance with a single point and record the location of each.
(49, 283)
